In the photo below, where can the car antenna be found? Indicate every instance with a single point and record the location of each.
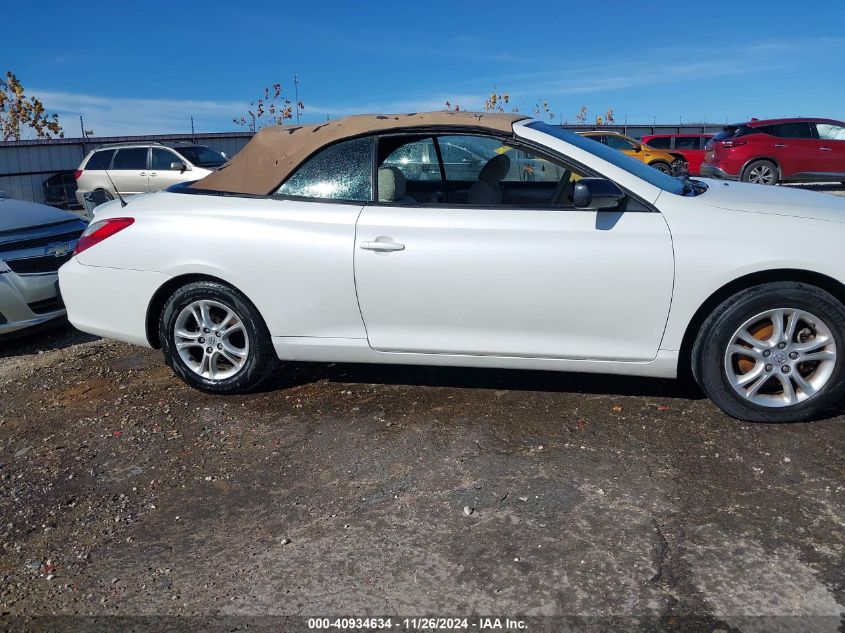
(119, 197)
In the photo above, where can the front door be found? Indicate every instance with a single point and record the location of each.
(797, 149)
(161, 174)
(521, 273)
(526, 275)
(550, 283)
(832, 148)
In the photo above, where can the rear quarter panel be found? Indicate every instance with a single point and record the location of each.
(292, 259)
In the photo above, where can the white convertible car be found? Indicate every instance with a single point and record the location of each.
(485, 240)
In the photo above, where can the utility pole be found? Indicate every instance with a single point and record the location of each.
(296, 95)
(192, 125)
(81, 126)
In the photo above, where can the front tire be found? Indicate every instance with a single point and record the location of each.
(761, 172)
(664, 167)
(214, 339)
(773, 353)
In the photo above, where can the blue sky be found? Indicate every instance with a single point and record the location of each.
(146, 67)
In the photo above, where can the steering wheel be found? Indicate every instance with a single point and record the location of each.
(564, 189)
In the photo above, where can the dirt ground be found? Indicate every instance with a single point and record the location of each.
(349, 490)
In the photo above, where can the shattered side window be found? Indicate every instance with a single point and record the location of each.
(339, 172)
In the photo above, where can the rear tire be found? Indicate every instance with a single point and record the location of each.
(761, 172)
(756, 371)
(214, 339)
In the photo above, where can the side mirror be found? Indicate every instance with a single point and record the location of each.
(598, 194)
(638, 148)
(178, 166)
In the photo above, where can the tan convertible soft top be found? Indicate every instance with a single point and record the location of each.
(277, 150)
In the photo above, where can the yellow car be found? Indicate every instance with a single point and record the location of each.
(670, 163)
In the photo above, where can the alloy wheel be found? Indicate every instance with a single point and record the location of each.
(780, 357)
(762, 174)
(211, 339)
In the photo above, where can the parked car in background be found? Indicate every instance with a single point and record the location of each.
(314, 245)
(140, 167)
(464, 157)
(672, 163)
(60, 191)
(778, 150)
(690, 146)
(35, 240)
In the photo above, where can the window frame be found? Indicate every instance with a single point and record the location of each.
(669, 145)
(180, 159)
(122, 149)
(811, 126)
(633, 143)
(113, 151)
(513, 141)
(840, 125)
(420, 137)
(373, 193)
(696, 137)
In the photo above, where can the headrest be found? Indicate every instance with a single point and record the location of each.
(391, 184)
(495, 170)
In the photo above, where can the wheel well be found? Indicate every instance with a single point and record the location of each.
(162, 295)
(834, 287)
(765, 159)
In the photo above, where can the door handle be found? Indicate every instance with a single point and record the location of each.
(825, 149)
(143, 173)
(382, 246)
(779, 145)
(153, 174)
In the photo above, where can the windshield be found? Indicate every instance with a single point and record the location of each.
(202, 156)
(614, 157)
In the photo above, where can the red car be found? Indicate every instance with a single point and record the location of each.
(778, 150)
(690, 145)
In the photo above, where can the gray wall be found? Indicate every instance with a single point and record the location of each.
(25, 165)
(638, 131)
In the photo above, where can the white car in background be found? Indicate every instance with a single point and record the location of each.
(313, 244)
(35, 240)
(132, 168)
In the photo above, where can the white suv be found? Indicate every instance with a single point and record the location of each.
(138, 167)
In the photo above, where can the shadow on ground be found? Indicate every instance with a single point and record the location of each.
(57, 337)
(289, 375)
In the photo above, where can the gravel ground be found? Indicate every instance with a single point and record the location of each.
(131, 502)
(354, 490)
